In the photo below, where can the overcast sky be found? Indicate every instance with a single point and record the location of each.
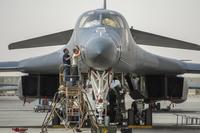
(24, 19)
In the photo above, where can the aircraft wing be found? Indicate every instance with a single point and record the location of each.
(141, 37)
(59, 38)
(145, 38)
(9, 66)
(193, 68)
(194, 86)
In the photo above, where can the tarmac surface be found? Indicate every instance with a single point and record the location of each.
(14, 114)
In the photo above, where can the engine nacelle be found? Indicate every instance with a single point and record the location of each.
(170, 88)
(184, 95)
(38, 86)
(153, 88)
(20, 93)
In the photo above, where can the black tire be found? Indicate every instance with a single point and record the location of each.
(158, 106)
(134, 107)
(148, 117)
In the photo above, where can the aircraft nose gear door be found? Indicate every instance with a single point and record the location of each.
(101, 81)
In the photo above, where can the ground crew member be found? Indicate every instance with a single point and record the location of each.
(67, 64)
(74, 65)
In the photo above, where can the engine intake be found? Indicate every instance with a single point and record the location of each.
(158, 87)
(39, 85)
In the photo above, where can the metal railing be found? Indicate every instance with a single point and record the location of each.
(182, 119)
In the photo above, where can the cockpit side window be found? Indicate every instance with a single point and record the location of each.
(90, 20)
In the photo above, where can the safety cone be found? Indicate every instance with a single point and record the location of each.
(19, 130)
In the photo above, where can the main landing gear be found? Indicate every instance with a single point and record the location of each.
(138, 115)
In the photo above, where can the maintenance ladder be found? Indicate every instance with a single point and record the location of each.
(73, 104)
(78, 107)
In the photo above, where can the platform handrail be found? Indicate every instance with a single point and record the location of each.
(187, 120)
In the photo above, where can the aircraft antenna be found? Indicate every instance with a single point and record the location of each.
(105, 4)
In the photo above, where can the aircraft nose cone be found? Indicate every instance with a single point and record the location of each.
(100, 53)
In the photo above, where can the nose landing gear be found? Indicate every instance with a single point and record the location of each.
(101, 81)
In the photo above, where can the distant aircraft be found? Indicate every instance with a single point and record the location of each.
(8, 87)
(15, 87)
(109, 49)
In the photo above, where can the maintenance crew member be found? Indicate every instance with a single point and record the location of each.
(67, 64)
(74, 65)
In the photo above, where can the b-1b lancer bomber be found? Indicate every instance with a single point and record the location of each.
(110, 52)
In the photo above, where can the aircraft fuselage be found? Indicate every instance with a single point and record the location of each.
(105, 41)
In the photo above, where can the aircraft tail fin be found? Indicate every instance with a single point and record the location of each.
(105, 4)
(145, 38)
(9, 66)
(59, 38)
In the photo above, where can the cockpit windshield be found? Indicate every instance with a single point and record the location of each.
(96, 19)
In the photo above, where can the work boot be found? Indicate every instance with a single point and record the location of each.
(78, 130)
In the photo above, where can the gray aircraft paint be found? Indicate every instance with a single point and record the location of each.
(130, 58)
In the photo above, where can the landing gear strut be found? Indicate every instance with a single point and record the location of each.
(101, 81)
